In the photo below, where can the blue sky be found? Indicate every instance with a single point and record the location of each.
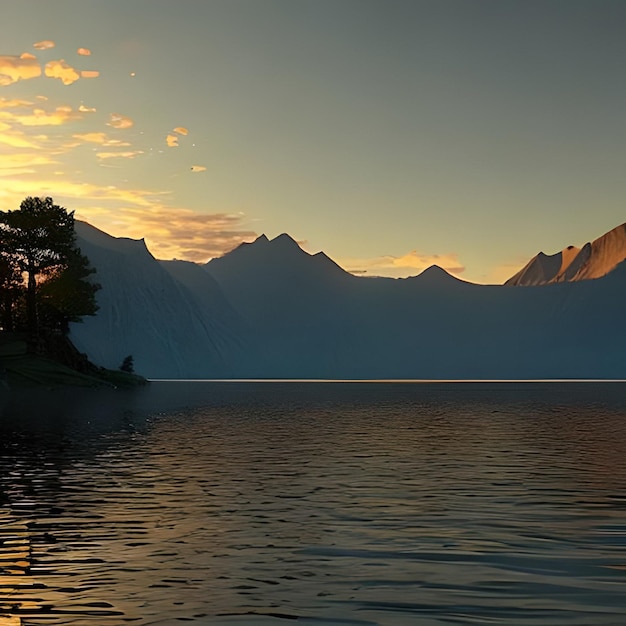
(390, 134)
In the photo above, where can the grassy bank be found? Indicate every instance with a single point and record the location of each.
(20, 368)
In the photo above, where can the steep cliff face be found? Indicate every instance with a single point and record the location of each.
(174, 321)
(593, 260)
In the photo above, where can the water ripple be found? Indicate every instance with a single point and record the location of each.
(353, 505)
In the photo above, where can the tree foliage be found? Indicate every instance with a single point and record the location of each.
(38, 248)
(128, 364)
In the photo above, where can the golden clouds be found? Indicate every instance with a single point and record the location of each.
(172, 232)
(26, 66)
(44, 45)
(172, 140)
(120, 121)
(198, 168)
(408, 264)
(13, 103)
(14, 68)
(85, 52)
(63, 71)
(39, 117)
(129, 154)
(83, 109)
(100, 138)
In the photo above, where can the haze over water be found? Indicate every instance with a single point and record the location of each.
(368, 503)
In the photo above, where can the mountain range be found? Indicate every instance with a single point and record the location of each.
(268, 309)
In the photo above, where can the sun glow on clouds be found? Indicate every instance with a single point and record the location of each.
(14, 68)
(58, 163)
(44, 45)
(174, 232)
(120, 121)
(403, 266)
(63, 71)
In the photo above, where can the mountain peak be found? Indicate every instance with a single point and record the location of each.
(434, 275)
(593, 260)
(284, 239)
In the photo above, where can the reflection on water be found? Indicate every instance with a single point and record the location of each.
(338, 503)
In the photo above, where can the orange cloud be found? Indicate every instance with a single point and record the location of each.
(122, 155)
(63, 71)
(13, 68)
(13, 191)
(172, 232)
(85, 52)
(15, 139)
(408, 264)
(172, 141)
(120, 121)
(90, 74)
(198, 168)
(181, 130)
(7, 103)
(100, 138)
(44, 45)
(27, 55)
(39, 117)
(83, 109)
(19, 164)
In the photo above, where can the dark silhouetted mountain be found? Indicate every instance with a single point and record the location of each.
(170, 316)
(268, 309)
(593, 260)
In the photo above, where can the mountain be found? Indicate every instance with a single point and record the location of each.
(268, 309)
(171, 316)
(593, 260)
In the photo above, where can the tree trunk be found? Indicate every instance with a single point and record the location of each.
(31, 305)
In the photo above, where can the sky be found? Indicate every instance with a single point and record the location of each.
(391, 134)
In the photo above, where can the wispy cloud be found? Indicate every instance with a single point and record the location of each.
(89, 73)
(46, 44)
(408, 264)
(117, 120)
(198, 168)
(128, 154)
(100, 138)
(173, 232)
(40, 117)
(14, 103)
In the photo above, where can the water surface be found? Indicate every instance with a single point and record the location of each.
(323, 503)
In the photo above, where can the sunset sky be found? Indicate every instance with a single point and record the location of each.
(391, 134)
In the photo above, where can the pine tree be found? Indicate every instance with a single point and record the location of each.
(39, 240)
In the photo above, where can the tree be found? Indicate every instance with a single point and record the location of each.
(10, 291)
(39, 240)
(65, 295)
(128, 364)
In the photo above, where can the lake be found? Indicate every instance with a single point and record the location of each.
(323, 503)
